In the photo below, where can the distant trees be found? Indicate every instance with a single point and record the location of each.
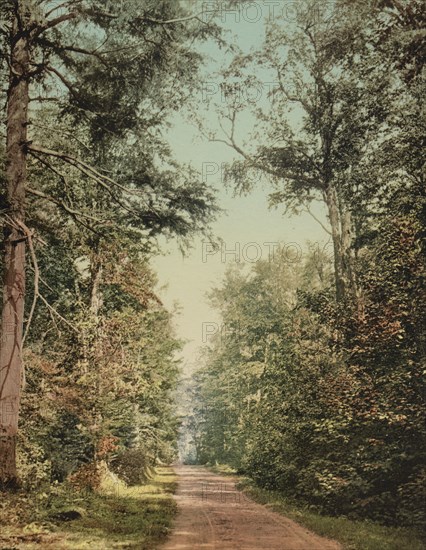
(89, 89)
(322, 404)
(324, 381)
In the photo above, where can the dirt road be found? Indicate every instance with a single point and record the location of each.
(214, 515)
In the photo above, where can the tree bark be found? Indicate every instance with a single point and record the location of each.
(96, 296)
(348, 254)
(341, 234)
(334, 217)
(14, 252)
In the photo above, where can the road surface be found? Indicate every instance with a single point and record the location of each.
(213, 514)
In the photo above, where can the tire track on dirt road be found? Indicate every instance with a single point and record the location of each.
(214, 515)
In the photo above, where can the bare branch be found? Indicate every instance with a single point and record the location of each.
(83, 167)
(53, 310)
(46, 284)
(230, 142)
(178, 20)
(42, 99)
(309, 211)
(110, 15)
(75, 214)
(40, 29)
(29, 235)
(290, 97)
(63, 5)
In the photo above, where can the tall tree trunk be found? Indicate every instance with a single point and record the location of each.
(14, 253)
(341, 234)
(334, 217)
(347, 253)
(96, 296)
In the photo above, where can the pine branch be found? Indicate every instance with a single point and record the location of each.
(76, 49)
(64, 81)
(74, 213)
(83, 167)
(91, 173)
(62, 132)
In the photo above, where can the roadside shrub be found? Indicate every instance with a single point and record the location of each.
(411, 509)
(87, 477)
(133, 466)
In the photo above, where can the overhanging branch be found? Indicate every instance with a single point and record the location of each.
(40, 29)
(101, 179)
(74, 213)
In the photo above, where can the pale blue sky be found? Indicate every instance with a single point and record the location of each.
(247, 220)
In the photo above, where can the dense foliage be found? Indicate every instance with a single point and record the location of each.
(94, 86)
(314, 387)
(317, 388)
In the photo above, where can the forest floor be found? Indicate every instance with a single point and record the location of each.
(211, 510)
(131, 517)
(214, 514)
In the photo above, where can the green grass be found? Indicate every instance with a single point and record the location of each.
(223, 469)
(353, 535)
(132, 517)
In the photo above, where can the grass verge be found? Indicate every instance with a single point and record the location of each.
(222, 469)
(132, 517)
(353, 535)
